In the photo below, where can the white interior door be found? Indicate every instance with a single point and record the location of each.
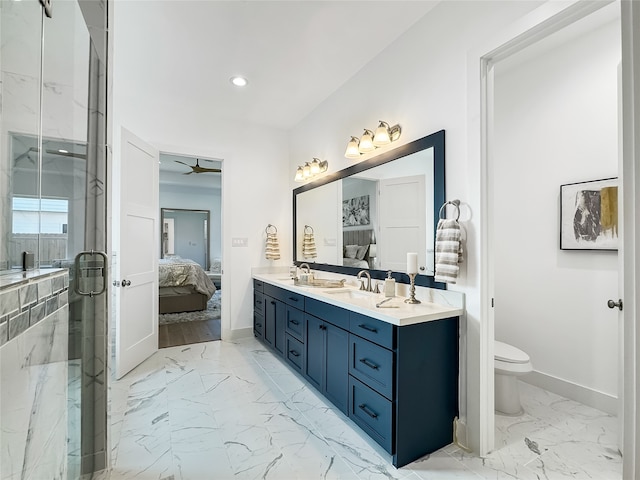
(137, 320)
(402, 217)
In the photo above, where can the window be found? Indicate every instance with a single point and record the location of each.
(50, 213)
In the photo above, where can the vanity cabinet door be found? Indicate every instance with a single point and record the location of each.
(327, 360)
(314, 349)
(280, 323)
(337, 366)
(270, 306)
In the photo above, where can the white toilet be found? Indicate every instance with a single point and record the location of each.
(510, 363)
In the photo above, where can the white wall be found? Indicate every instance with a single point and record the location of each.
(549, 302)
(191, 198)
(425, 75)
(255, 166)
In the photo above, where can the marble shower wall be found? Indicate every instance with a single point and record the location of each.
(34, 376)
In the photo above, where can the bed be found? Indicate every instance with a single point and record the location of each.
(358, 248)
(184, 286)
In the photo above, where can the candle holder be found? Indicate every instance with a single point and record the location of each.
(412, 291)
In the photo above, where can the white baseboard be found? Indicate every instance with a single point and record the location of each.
(592, 398)
(237, 334)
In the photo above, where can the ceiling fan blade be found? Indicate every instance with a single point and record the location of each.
(178, 161)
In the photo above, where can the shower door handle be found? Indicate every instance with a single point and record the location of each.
(92, 271)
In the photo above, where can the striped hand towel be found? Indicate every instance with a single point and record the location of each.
(309, 246)
(448, 250)
(273, 248)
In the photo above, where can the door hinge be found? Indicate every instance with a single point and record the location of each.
(492, 302)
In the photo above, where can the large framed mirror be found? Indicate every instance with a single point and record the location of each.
(368, 216)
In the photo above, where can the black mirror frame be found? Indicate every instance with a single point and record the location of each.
(435, 140)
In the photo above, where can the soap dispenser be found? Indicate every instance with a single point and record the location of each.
(389, 286)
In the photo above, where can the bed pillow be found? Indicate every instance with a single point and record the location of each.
(362, 252)
(350, 251)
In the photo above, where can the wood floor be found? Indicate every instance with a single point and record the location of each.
(186, 333)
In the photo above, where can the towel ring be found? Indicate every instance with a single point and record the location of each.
(455, 203)
(266, 230)
(309, 227)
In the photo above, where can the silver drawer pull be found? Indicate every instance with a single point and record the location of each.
(367, 410)
(369, 363)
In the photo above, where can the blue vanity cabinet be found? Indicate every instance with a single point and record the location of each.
(399, 384)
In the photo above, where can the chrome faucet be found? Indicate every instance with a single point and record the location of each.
(365, 272)
(305, 265)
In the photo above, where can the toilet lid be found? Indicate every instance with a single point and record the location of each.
(508, 353)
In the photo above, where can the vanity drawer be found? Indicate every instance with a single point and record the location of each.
(258, 285)
(329, 313)
(294, 353)
(371, 364)
(371, 412)
(258, 325)
(295, 325)
(286, 296)
(372, 329)
(258, 303)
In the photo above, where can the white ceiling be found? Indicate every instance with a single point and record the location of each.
(294, 53)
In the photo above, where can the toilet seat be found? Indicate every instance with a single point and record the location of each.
(504, 352)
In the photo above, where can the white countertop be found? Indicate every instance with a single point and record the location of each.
(351, 298)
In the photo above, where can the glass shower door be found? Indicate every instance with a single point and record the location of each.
(73, 174)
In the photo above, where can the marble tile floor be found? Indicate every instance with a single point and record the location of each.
(223, 410)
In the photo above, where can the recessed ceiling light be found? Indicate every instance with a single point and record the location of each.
(239, 81)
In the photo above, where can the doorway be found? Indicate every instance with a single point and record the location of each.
(552, 303)
(190, 201)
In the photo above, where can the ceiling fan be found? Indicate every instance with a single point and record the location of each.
(198, 169)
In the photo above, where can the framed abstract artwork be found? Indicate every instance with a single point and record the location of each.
(589, 215)
(355, 211)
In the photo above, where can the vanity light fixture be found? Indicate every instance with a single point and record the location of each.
(352, 148)
(366, 142)
(311, 169)
(369, 141)
(385, 134)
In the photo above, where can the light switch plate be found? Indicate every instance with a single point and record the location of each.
(330, 242)
(240, 242)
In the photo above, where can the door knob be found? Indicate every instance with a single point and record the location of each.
(612, 304)
(126, 283)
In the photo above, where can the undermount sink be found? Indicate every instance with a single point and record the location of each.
(350, 294)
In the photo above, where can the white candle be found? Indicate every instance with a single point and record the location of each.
(412, 263)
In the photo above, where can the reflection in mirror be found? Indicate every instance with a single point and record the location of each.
(370, 215)
(40, 214)
(185, 233)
